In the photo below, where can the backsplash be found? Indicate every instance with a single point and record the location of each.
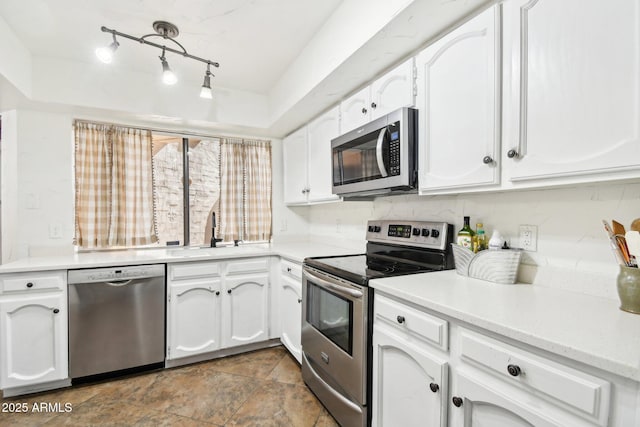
(573, 252)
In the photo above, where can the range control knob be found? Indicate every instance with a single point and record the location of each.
(376, 228)
(416, 231)
(370, 229)
(425, 232)
(435, 233)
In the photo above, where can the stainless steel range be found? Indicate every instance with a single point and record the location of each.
(337, 307)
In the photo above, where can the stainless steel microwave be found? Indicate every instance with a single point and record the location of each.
(377, 158)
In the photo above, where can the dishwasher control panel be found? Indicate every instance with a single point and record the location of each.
(115, 273)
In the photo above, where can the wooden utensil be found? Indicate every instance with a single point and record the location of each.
(618, 229)
(619, 232)
(635, 225)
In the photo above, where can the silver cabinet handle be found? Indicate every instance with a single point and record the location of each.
(512, 154)
(381, 135)
(487, 160)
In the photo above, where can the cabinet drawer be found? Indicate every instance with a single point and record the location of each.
(33, 282)
(291, 269)
(191, 270)
(430, 328)
(248, 265)
(577, 391)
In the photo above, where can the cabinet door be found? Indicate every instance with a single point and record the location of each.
(33, 338)
(245, 315)
(409, 384)
(574, 89)
(320, 133)
(355, 110)
(294, 152)
(291, 315)
(194, 318)
(459, 107)
(395, 89)
(485, 402)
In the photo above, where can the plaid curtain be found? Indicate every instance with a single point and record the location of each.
(245, 193)
(231, 189)
(114, 196)
(257, 220)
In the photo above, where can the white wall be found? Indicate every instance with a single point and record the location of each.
(573, 251)
(9, 185)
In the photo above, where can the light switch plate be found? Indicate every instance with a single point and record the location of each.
(529, 237)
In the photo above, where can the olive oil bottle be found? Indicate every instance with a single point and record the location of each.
(466, 235)
(480, 240)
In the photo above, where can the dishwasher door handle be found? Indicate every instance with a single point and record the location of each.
(119, 282)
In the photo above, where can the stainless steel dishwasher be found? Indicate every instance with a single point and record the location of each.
(116, 319)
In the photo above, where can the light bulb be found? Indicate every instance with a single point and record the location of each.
(168, 76)
(205, 92)
(105, 53)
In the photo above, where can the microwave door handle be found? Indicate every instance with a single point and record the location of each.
(381, 135)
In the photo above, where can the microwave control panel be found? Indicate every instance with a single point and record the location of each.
(394, 153)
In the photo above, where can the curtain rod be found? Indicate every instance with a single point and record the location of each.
(165, 131)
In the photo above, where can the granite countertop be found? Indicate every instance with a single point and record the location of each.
(585, 328)
(294, 251)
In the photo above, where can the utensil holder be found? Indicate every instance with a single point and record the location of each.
(499, 266)
(628, 282)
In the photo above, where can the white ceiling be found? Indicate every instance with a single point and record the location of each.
(253, 40)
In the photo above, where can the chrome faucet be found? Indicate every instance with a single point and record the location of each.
(214, 240)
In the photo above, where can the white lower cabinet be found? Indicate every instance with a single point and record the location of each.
(194, 317)
(245, 309)
(33, 329)
(409, 384)
(290, 296)
(434, 372)
(482, 403)
(214, 305)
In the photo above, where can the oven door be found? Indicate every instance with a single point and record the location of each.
(334, 333)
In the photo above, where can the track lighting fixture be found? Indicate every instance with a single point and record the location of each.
(167, 31)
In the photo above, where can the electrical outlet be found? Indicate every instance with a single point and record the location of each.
(283, 225)
(529, 237)
(338, 224)
(55, 231)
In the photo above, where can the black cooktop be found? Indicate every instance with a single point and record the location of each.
(381, 261)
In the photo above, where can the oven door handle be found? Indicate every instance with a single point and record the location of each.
(326, 284)
(381, 135)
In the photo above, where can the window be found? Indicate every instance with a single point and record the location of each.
(137, 188)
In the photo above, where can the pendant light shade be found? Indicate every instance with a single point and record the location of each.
(168, 76)
(205, 90)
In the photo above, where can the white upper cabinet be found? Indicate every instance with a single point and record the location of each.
(395, 89)
(294, 151)
(354, 111)
(458, 80)
(320, 133)
(573, 90)
(307, 161)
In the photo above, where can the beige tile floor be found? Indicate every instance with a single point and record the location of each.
(261, 388)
